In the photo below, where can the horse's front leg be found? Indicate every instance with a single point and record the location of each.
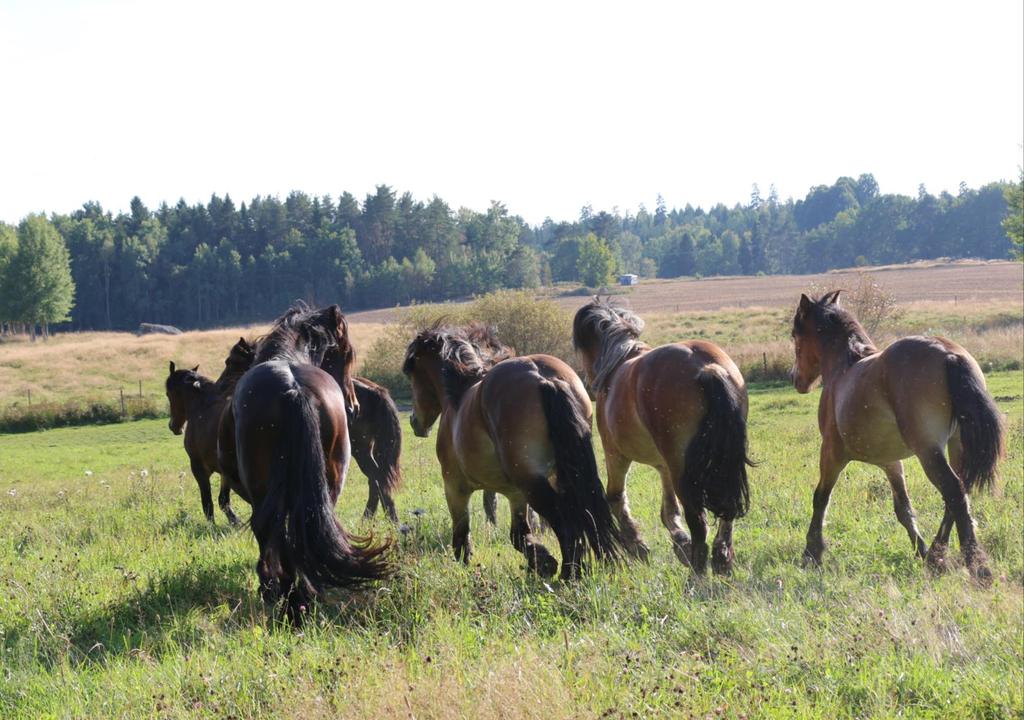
(831, 464)
(901, 504)
(224, 500)
(202, 477)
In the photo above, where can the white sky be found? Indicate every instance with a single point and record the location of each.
(545, 106)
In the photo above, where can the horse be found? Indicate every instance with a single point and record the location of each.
(375, 432)
(680, 408)
(198, 402)
(291, 452)
(519, 427)
(918, 397)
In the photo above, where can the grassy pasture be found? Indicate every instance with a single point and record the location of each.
(118, 599)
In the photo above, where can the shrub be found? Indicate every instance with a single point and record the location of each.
(526, 323)
(43, 416)
(872, 303)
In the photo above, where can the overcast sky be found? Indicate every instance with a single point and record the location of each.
(545, 106)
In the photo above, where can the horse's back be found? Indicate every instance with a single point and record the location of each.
(897, 403)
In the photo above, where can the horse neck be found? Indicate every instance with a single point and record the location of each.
(225, 384)
(609, 358)
(842, 353)
(451, 384)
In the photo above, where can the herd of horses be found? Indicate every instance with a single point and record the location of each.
(282, 422)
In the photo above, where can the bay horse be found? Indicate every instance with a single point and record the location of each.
(375, 433)
(680, 408)
(918, 397)
(197, 404)
(521, 428)
(291, 449)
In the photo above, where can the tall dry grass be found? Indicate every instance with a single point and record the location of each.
(96, 366)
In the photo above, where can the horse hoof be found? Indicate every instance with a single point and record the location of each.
(936, 558)
(721, 560)
(546, 566)
(640, 551)
(684, 552)
(982, 574)
(811, 559)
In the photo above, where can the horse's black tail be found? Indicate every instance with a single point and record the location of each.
(715, 473)
(981, 425)
(584, 510)
(315, 544)
(376, 403)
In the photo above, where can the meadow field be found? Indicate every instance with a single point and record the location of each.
(118, 599)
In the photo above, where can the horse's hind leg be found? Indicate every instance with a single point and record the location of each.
(205, 493)
(491, 506)
(722, 554)
(458, 507)
(538, 559)
(224, 500)
(618, 467)
(936, 557)
(672, 519)
(901, 504)
(830, 467)
(958, 507)
(698, 524)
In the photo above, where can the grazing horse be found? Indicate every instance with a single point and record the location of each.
(199, 402)
(291, 446)
(680, 408)
(520, 428)
(917, 397)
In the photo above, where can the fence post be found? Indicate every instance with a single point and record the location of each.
(140, 388)
(123, 411)
(764, 364)
(30, 396)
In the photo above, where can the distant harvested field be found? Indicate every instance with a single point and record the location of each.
(962, 281)
(96, 365)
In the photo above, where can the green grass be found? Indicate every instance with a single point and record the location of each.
(118, 599)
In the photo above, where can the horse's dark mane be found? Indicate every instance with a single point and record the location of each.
(837, 326)
(611, 330)
(239, 359)
(466, 354)
(295, 336)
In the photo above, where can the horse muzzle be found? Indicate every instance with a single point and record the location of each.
(418, 431)
(174, 429)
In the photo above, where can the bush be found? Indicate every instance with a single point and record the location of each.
(872, 303)
(526, 323)
(43, 416)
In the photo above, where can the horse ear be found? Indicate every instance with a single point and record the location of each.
(172, 366)
(195, 368)
(834, 298)
(805, 303)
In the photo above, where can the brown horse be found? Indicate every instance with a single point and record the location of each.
(520, 428)
(680, 408)
(917, 397)
(291, 446)
(199, 402)
(375, 433)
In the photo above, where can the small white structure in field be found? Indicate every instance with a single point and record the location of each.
(629, 279)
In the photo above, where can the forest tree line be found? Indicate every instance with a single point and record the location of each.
(217, 263)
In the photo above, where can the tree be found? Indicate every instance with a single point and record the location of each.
(39, 275)
(595, 262)
(8, 249)
(1013, 224)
